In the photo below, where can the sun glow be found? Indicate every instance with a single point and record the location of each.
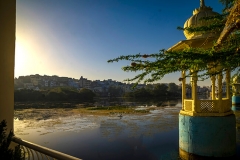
(19, 54)
(20, 57)
(28, 59)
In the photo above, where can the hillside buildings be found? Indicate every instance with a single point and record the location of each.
(38, 82)
(41, 82)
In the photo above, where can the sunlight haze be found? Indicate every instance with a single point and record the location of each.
(76, 38)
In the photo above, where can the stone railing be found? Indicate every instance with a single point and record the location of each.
(188, 105)
(207, 106)
(34, 151)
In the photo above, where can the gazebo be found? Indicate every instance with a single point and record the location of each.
(206, 127)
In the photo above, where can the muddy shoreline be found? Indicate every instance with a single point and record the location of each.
(77, 104)
(46, 105)
(52, 110)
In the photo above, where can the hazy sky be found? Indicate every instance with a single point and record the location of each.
(75, 38)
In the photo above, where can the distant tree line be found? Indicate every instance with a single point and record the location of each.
(55, 94)
(86, 95)
(156, 91)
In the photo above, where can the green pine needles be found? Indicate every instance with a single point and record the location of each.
(223, 55)
(5, 152)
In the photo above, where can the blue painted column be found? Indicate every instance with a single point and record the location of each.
(201, 136)
(235, 102)
(236, 93)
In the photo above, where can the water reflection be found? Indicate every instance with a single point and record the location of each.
(105, 137)
(150, 136)
(116, 101)
(135, 125)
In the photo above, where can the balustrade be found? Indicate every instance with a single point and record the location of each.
(33, 151)
(207, 106)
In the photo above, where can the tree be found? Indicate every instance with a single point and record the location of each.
(160, 90)
(138, 93)
(28, 95)
(5, 140)
(54, 94)
(86, 94)
(225, 52)
(115, 91)
(172, 87)
(149, 87)
(233, 20)
(141, 93)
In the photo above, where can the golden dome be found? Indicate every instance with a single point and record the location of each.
(195, 21)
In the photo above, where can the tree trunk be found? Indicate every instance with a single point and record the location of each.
(233, 22)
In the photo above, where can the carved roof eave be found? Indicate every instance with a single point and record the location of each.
(194, 43)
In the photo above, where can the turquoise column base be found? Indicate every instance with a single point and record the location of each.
(236, 107)
(212, 137)
(235, 103)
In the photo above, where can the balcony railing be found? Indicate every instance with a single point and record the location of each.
(34, 151)
(207, 106)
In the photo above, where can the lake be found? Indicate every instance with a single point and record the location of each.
(149, 136)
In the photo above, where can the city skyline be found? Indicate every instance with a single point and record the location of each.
(94, 80)
(78, 37)
(109, 79)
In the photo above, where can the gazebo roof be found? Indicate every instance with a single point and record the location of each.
(194, 43)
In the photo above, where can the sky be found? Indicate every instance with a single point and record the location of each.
(75, 38)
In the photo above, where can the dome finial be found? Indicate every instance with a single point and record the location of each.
(202, 4)
(202, 7)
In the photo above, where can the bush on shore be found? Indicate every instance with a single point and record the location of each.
(55, 94)
(5, 140)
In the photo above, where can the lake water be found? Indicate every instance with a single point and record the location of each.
(151, 136)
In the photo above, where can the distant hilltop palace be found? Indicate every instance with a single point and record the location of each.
(38, 82)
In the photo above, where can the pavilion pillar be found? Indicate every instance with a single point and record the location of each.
(213, 79)
(228, 75)
(194, 89)
(7, 55)
(220, 77)
(183, 88)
